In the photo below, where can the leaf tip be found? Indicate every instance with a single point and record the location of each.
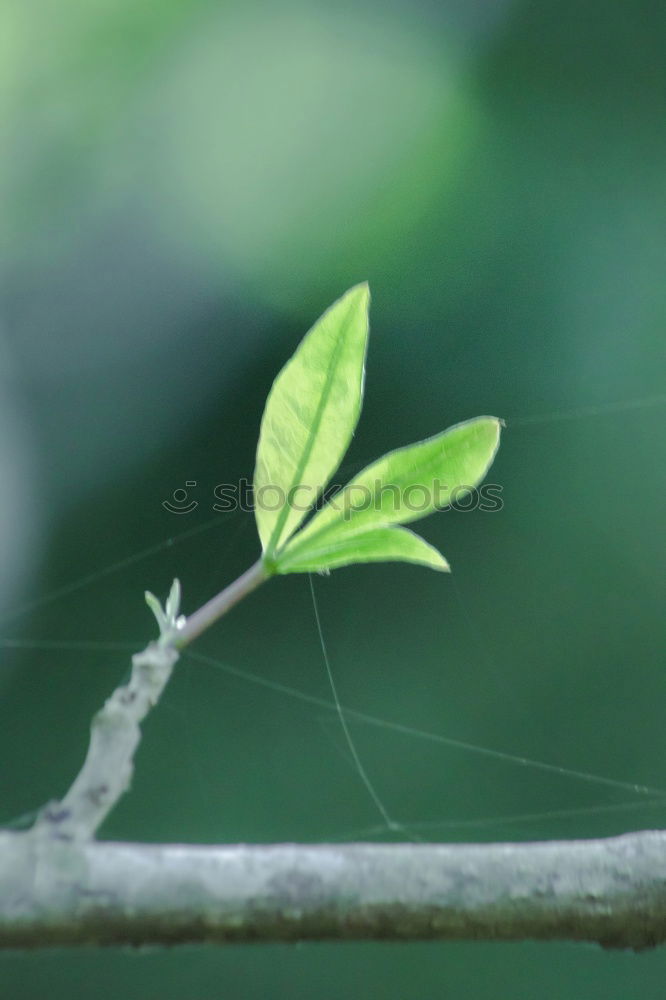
(496, 424)
(437, 561)
(361, 291)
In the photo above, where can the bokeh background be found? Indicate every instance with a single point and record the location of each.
(187, 185)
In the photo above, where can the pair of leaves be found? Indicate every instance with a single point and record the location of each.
(310, 416)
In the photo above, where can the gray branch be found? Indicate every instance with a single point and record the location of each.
(60, 887)
(57, 892)
(115, 734)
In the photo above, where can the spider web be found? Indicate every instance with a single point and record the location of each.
(344, 724)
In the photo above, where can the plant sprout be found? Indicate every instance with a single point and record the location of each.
(309, 419)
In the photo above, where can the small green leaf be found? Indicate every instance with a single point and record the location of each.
(377, 545)
(403, 486)
(310, 416)
(172, 606)
(168, 618)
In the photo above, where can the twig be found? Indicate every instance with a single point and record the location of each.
(115, 735)
(115, 732)
(221, 603)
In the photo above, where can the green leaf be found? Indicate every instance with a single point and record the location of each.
(402, 486)
(310, 416)
(377, 545)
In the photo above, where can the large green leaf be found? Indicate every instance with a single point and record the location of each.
(403, 486)
(392, 544)
(310, 416)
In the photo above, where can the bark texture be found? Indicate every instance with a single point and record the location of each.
(67, 892)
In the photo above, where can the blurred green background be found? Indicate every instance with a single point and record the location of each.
(188, 185)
